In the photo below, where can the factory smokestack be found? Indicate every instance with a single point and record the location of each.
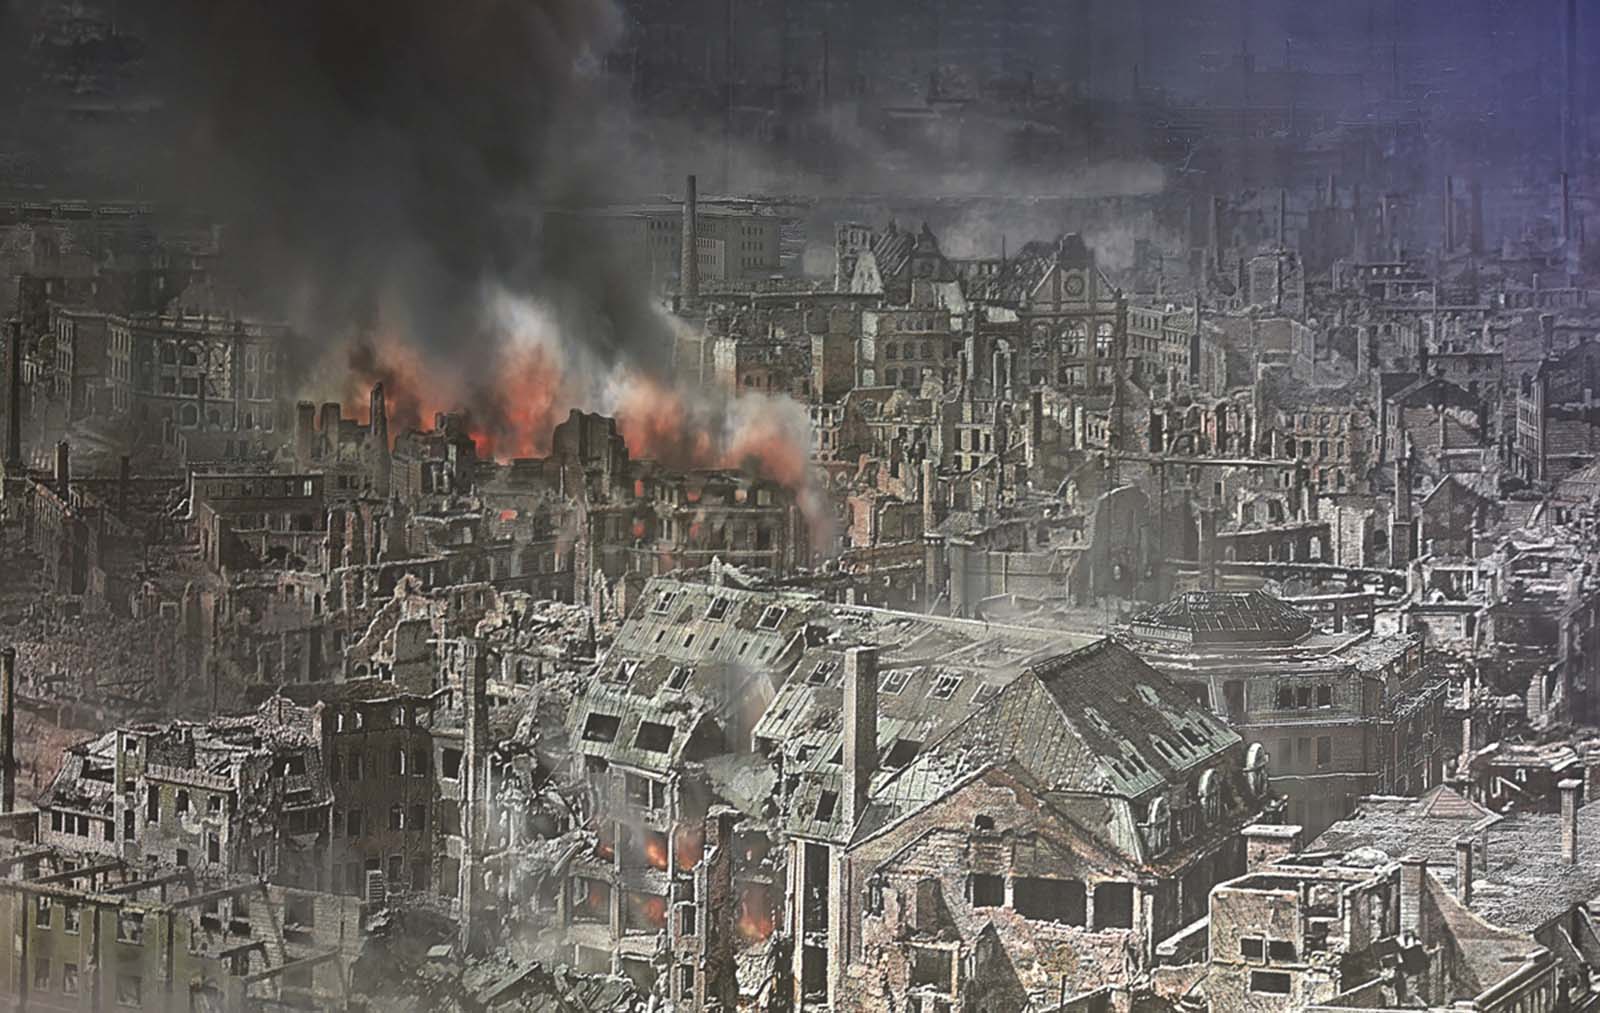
(689, 280)
(8, 729)
(1571, 114)
(1566, 207)
(13, 462)
(860, 729)
(64, 469)
(124, 480)
(1449, 215)
(1475, 226)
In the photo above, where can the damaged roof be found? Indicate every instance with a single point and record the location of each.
(1223, 617)
(1095, 721)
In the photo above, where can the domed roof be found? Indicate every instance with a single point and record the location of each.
(1222, 617)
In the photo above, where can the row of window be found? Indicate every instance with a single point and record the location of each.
(413, 818)
(129, 987)
(1064, 901)
(352, 765)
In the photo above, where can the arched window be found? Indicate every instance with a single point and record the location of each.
(1158, 825)
(1255, 769)
(189, 415)
(1210, 796)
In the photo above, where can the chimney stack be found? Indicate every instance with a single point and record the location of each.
(1215, 229)
(1569, 819)
(1035, 425)
(930, 481)
(1571, 114)
(860, 730)
(331, 413)
(1358, 225)
(1449, 215)
(1464, 870)
(475, 747)
(1266, 843)
(1547, 333)
(63, 469)
(124, 480)
(8, 729)
(13, 462)
(1475, 226)
(1283, 219)
(689, 268)
(305, 433)
(1413, 880)
(378, 419)
(1468, 692)
(1566, 207)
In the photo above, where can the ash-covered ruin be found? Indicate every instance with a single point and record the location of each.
(791, 506)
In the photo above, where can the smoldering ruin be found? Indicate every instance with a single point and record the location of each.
(786, 505)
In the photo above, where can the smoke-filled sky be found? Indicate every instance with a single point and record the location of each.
(383, 167)
(379, 164)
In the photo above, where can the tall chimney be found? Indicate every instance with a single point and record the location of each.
(331, 413)
(1547, 333)
(1566, 208)
(1035, 425)
(930, 481)
(1413, 880)
(378, 419)
(1464, 870)
(13, 462)
(8, 729)
(1569, 819)
(1475, 226)
(1283, 219)
(305, 433)
(1358, 226)
(475, 747)
(63, 469)
(124, 480)
(689, 267)
(860, 730)
(1402, 485)
(1571, 114)
(1449, 215)
(1214, 218)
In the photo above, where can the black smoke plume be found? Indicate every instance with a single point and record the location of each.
(378, 164)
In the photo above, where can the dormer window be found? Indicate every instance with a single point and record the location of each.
(771, 617)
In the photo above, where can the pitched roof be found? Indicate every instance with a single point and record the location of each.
(1223, 617)
(1094, 721)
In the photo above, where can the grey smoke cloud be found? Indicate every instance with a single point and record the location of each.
(383, 163)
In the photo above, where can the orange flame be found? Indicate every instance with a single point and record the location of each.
(655, 850)
(648, 910)
(755, 914)
(691, 847)
(526, 393)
